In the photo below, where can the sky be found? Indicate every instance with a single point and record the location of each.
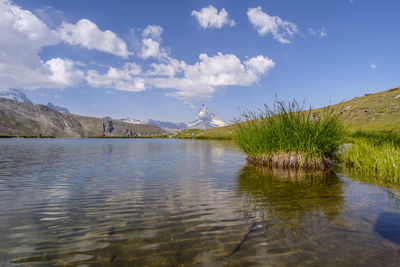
(162, 59)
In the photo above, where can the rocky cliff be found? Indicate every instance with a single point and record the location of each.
(26, 119)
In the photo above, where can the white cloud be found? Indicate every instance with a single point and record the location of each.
(185, 81)
(123, 79)
(373, 66)
(153, 32)
(151, 48)
(88, 35)
(204, 77)
(171, 68)
(265, 24)
(312, 31)
(22, 37)
(209, 17)
(64, 72)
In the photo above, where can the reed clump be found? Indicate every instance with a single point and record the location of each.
(374, 157)
(290, 137)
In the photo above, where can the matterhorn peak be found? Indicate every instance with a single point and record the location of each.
(205, 119)
(204, 112)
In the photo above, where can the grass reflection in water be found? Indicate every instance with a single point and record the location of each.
(291, 203)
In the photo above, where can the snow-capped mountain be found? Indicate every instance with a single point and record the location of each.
(14, 94)
(133, 121)
(58, 108)
(168, 126)
(205, 119)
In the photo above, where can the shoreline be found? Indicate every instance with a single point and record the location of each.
(290, 161)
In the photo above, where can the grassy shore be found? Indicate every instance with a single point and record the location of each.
(289, 137)
(199, 134)
(376, 155)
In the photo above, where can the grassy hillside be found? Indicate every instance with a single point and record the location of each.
(379, 112)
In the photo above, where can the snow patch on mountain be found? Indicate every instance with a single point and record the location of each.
(58, 108)
(14, 94)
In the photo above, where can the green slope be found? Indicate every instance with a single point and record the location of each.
(379, 112)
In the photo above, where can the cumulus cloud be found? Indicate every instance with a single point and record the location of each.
(373, 66)
(183, 80)
(209, 17)
(123, 79)
(23, 36)
(88, 35)
(64, 72)
(151, 49)
(153, 32)
(204, 77)
(170, 68)
(264, 24)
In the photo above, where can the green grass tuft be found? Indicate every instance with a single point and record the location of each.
(289, 129)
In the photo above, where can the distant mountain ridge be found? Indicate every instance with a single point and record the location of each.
(205, 119)
(20, 117)
(17, 95)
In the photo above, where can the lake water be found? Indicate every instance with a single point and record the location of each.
(135, 202)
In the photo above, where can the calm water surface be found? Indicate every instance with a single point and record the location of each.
(100, 202)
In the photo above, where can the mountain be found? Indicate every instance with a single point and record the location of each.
(26, 119)
(168, 126)
(14, 94)
(58, 108)
(95, 126)
(205, 119)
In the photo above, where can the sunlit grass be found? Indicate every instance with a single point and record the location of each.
(375, 157)
(288, 136)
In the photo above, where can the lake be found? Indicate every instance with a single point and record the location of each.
(135, 202)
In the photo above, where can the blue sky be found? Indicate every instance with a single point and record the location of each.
(162, 59)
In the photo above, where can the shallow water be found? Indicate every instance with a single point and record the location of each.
(96, 202)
